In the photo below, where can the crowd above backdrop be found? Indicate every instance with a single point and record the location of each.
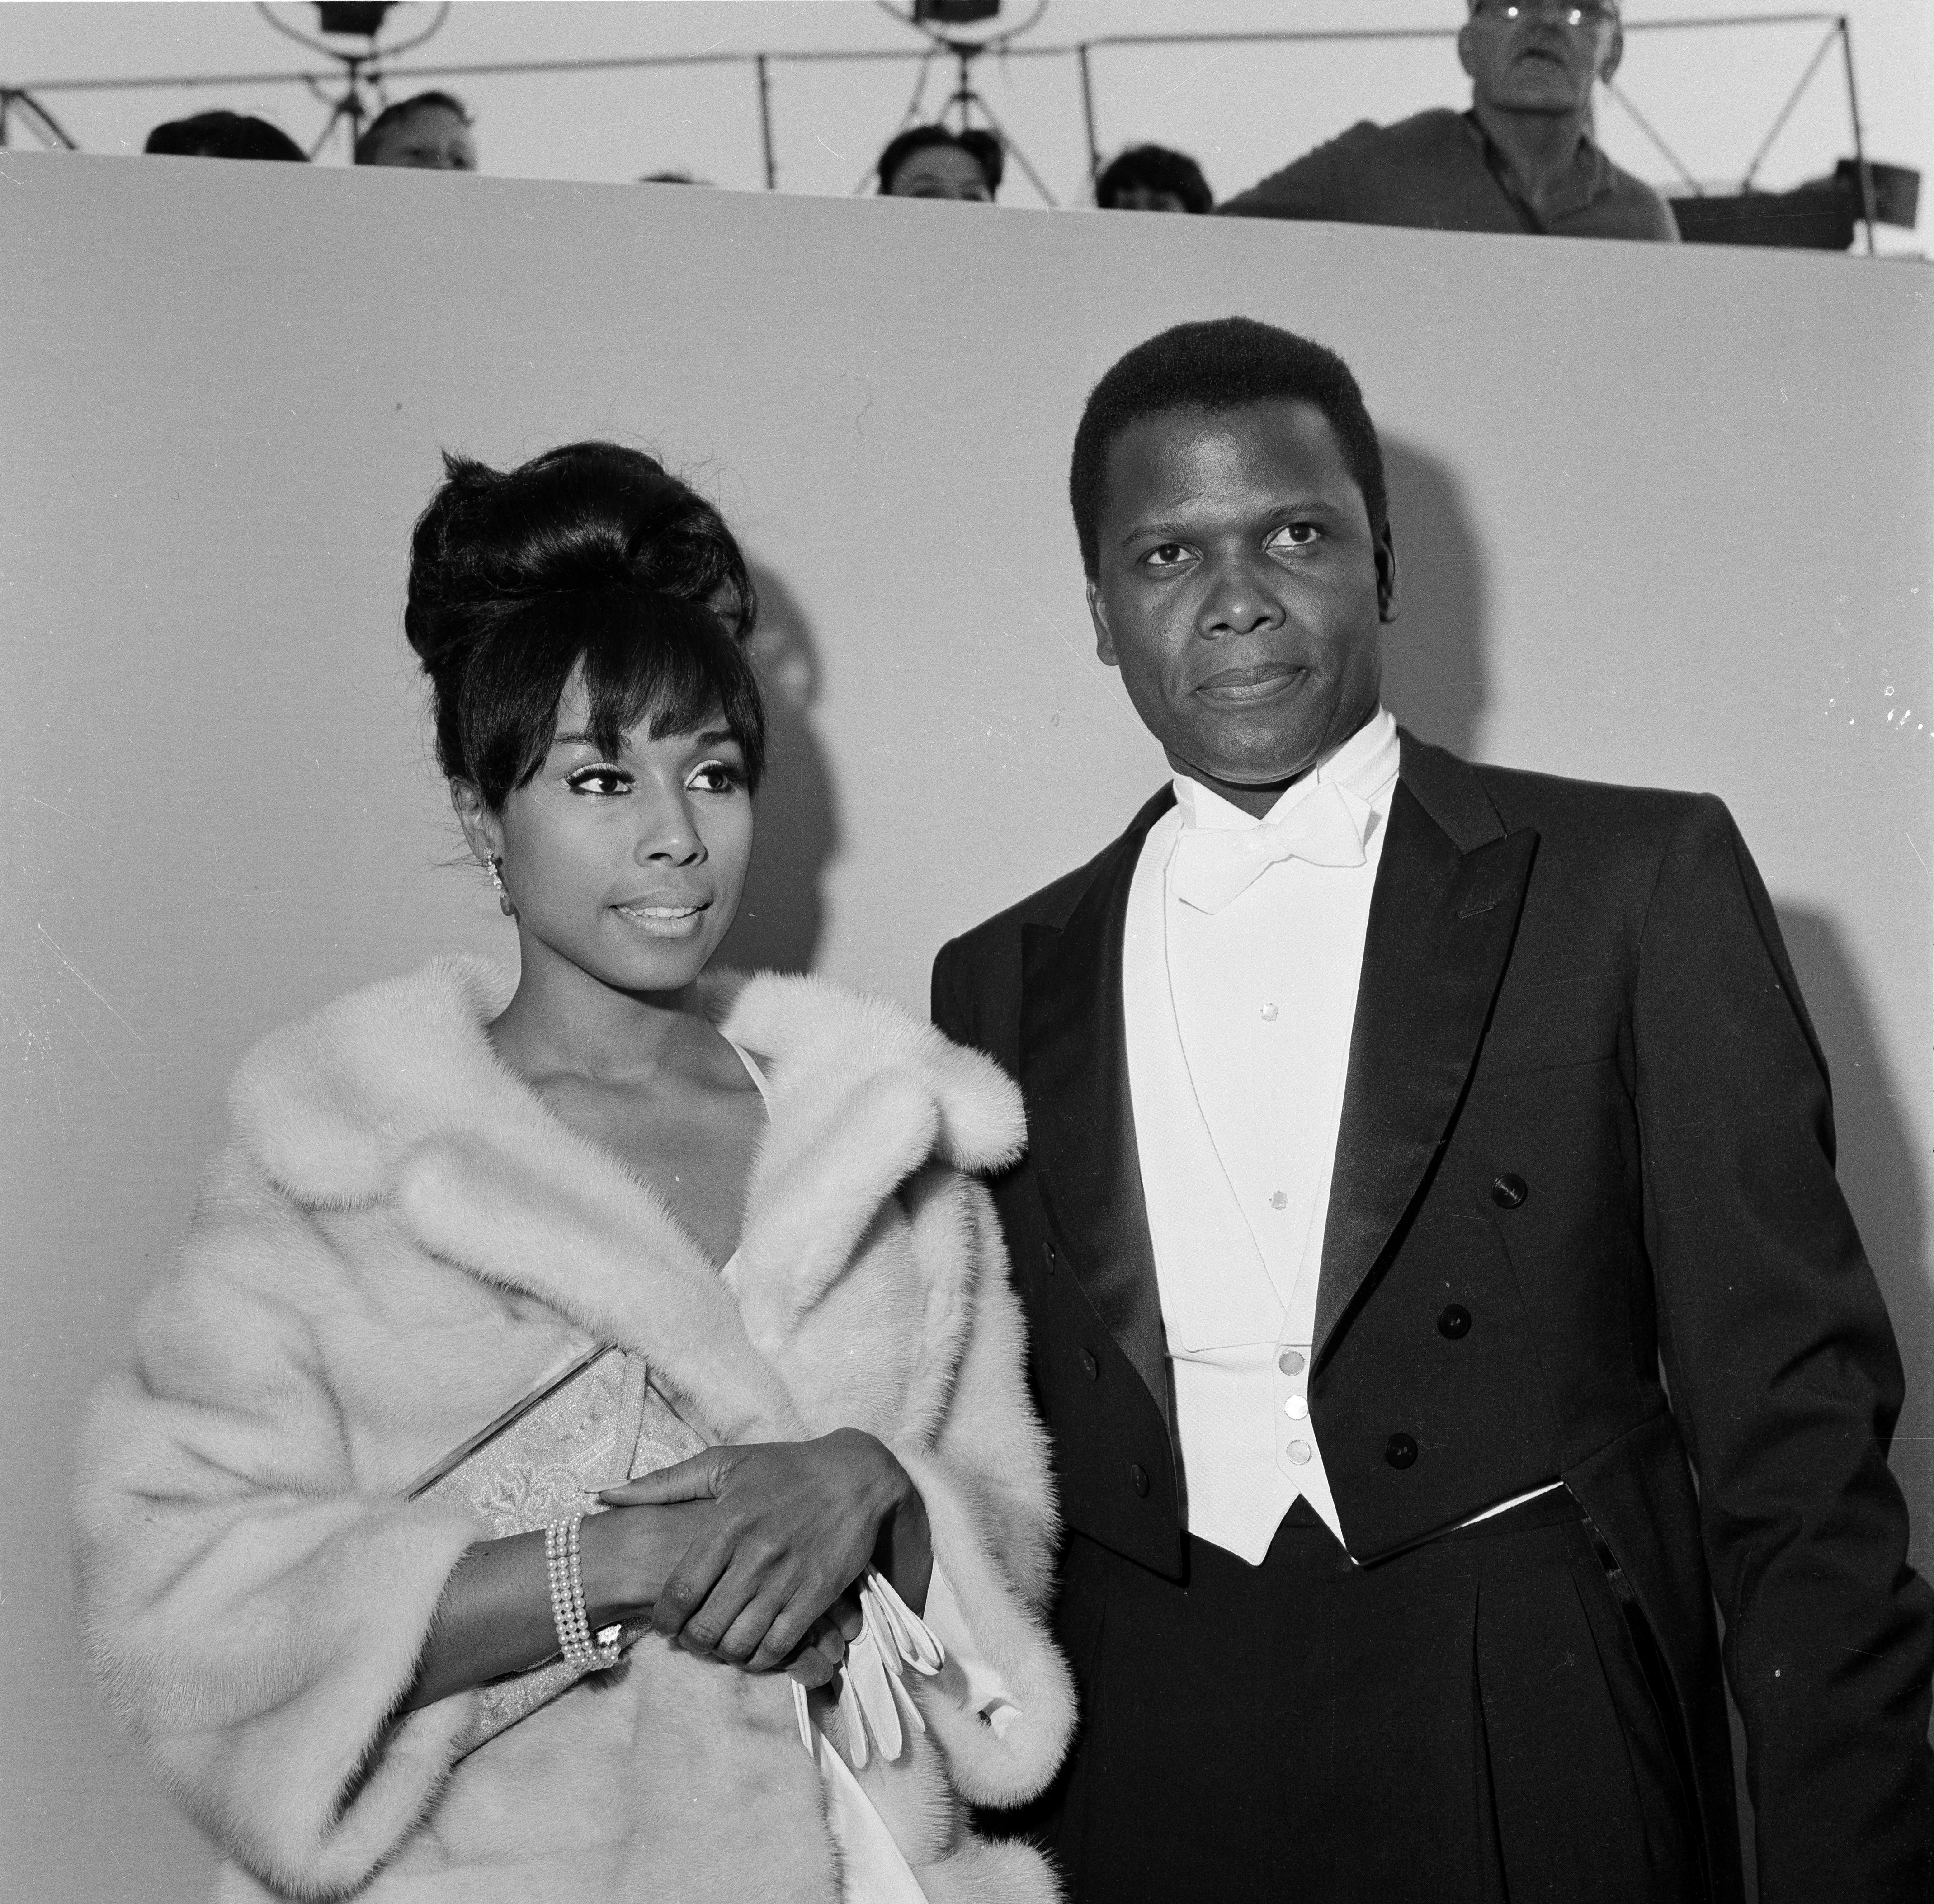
(1521, 158)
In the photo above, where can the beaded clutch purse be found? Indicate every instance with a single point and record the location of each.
(590, 1424)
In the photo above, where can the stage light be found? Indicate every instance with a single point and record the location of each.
(363, 18)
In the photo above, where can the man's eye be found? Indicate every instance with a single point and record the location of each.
(600, 782)
(1166, 554)
(1295, 535)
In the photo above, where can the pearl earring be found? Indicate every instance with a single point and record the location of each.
(504, 900)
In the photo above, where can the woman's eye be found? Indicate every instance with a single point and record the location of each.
(716, 777)
(1295, 535)
(601, 782)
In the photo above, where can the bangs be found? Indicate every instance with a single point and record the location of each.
(643, 657)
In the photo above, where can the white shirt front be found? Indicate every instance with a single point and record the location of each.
(1238, 1030)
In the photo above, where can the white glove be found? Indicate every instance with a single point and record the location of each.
(892, 1637)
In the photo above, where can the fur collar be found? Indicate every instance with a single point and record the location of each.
(394, 1095)
(330, 1103)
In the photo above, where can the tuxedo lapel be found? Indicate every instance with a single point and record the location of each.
(1449, 890)
(1081, 1135)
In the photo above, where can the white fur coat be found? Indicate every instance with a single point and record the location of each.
(399, 1240)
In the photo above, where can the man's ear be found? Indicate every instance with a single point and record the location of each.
(1390, 603)
(1464, 56)
(482, 829)
(1098, 614)
(1614, 53)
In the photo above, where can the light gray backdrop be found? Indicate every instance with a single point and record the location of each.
(1663, 516)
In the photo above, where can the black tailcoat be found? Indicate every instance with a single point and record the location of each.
(1585, 1105)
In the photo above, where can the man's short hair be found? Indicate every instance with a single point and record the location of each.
(372, 137)
(1155, 169)
(1226, 363)
(983, 147)
(222, 135)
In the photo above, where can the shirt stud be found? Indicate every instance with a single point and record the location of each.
(1278, 1199)
(1269, 1014)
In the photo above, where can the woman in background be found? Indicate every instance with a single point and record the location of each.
(441, 1191)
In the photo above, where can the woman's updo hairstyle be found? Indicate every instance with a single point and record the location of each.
(590, 557)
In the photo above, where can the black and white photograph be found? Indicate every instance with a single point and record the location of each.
(967, 952)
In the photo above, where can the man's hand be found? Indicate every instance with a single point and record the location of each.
(795, 1524)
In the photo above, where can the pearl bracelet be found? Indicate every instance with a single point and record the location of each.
(564, 1564)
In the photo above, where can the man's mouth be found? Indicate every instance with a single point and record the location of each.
(1240, 687)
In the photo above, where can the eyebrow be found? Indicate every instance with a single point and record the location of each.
(1306, 505)
(711, 737)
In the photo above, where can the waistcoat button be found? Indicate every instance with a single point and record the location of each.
(1090, 1367)
(1399, 1450)
(1454, 1323)
(1138, 1477)
(1508, 1191)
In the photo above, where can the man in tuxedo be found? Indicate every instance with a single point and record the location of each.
(1391, 1121)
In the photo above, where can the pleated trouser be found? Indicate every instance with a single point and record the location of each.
(1467, 1723)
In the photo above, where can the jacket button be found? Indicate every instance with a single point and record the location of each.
(1090, 1367)
(1455, 1323)
(1399, 1450)
(1047, 1256)
(1138, 1477)
(1508, 1191)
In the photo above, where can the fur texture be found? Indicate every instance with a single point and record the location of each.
(400, 1239)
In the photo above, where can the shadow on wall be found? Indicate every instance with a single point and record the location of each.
(1435, 679)
(781, 913)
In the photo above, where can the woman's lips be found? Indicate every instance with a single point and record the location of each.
(664, 918)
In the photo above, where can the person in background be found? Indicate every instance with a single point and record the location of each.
(1522, 159)
(1152, 178)
(224, 135)
(932, 162)
(430, 131)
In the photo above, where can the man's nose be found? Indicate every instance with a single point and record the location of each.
(1238, 601)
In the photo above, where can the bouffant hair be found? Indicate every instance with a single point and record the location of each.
(591, 561)
(1226, 363)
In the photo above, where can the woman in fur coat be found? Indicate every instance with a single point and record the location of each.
(635, 1213)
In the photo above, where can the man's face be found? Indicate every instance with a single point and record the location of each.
(431, 139)
(1240, 591)
(1538, 56)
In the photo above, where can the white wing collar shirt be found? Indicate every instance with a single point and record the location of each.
(1243, 945)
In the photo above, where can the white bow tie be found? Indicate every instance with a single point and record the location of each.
(1212, 865)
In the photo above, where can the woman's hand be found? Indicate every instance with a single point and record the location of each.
(494, 1616)
(794, 1524)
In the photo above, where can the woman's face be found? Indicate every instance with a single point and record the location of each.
(940, 172)
(627, 866)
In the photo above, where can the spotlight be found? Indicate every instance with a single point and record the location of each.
(363, 18)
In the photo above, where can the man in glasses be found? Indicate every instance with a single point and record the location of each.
(1522, 159)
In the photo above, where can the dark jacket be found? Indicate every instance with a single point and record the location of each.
(1438, 170)
(1585, 1106)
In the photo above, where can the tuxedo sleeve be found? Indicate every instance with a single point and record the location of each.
(1787, 1384)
